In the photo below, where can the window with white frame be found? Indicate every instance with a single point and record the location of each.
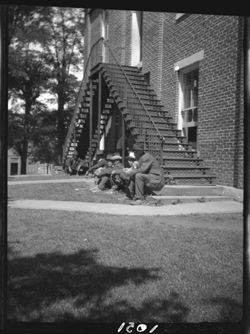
(188, 81)
(189, 85)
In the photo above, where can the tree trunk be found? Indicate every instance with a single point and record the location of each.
(24, 156)
(24, 153)
(60, 126)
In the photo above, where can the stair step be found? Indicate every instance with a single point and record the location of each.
(158, 121)
(174, 200)
(125, 67)
(181, 164)
(141, 139)
(191, 190)
(140, 112)
(190, 179)
(179, 170)
(170, 161)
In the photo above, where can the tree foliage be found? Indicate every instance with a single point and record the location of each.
(45, 49)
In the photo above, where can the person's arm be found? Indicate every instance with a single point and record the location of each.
(99, 164)
(146, 164)
(105, 171)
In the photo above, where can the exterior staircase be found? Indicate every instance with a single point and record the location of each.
(112, 86)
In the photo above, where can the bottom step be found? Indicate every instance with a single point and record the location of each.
(191, 190)
(191, 199)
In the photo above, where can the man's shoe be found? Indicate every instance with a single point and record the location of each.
(137, 201)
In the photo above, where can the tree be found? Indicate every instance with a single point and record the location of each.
(45, 47)
(27, 75)
(64, 52)
(44, 137)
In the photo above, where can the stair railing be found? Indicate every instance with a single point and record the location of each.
(128, 89)
(94, 56)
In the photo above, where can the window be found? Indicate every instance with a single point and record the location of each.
(188, 76)
(189, 82)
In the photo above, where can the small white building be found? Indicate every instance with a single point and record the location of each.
(14, 165)
(14, 162)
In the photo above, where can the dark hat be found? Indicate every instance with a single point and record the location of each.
(138, 147)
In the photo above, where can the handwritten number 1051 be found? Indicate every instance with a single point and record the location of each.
(139, 329)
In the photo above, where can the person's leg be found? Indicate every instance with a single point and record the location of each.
(103, 184)
(155, 182)
(140, 181)
(131, 188)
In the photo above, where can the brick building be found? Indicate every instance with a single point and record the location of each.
(182, 80)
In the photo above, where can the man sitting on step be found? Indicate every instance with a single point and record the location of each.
(121, 176)
(103, 174)
(100, 162)
(148, 175)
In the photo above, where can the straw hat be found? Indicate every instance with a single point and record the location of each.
(116, 157)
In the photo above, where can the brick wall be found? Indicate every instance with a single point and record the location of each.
(220, 122)
(117, 26)
(167, 41)
(152, 48)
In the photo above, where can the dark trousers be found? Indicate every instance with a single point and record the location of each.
(147, 181)
(104, 182)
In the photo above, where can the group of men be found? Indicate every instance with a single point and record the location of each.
(142, 175)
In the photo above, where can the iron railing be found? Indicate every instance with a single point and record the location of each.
(153, 142)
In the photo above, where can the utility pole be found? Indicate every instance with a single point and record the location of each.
(3, 160)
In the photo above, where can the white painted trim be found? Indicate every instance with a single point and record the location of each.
(139, 65)
(135, 40)
(185, 65)
(189, 60)
(180, 102)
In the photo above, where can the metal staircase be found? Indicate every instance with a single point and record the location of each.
(111, 86)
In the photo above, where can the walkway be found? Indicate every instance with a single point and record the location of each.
(207, 207)
(126, 209)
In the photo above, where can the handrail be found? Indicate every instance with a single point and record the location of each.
(79, 95)
(130, 84)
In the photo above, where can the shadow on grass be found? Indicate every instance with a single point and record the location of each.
(56, 287)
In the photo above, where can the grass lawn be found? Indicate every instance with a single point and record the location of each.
(63, 191)
(77, 266)
(38, 177)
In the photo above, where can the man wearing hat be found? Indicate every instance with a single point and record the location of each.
(72, 164)
(101, 162)
(116, 180)
(103, 174)
(148, 174)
